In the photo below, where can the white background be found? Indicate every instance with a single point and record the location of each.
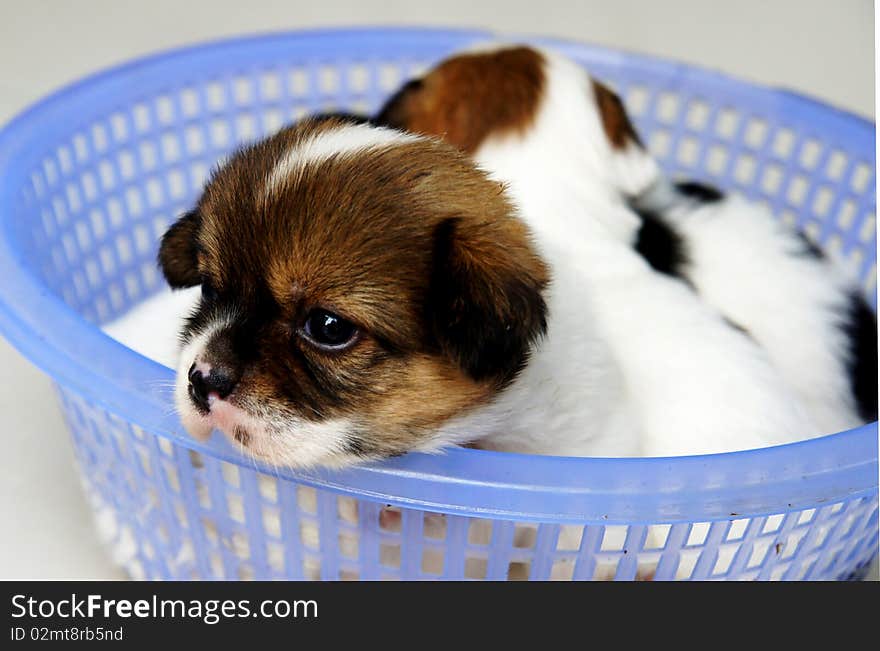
(820, 47)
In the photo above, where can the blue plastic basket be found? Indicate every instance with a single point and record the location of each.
(90, 178)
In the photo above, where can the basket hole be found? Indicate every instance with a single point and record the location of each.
(518, 571)
(806, 516)
(791, 544)
(390, 519)
(836, 165)
(716, 161)
(660, 142)
(756, 133)
(170, 147)
(725, 125)
(125, 164)
(725, 558)
(562, 570)
(389, 555)
(613, 537)
(242, 91)
(698, 533)
(215, 96)
(772, 179)
(570, 537)
(194, 140)
(524, 536)
(869, 228)
(275, 556)
(737, 529)
(348, 545)
(220, 136)
(347, 509)
(299, 82)
(311, 568)
(605, 569)
(389, 76)
(667, 107)
(434, 526)
(810, 153)
(636, 99)
(80, 147)
(797, 190)
(273, 120)
(687, 151)
(164, 109)
(822, 202)
(432, 561)
(479, 531)
(745, 169)
(860, 177)
(272, 521)
(140, 116)
(687, 562)
(270, 86)
(697, 115)
(348, 575)
(657, 536)
(246, 126)
(759, 553)
(309, 535)
(772, 523)
(358, 77)
(198, 174)
(65, 162)
(328, 80)
(99, 138)
(235, 507)
(307, 499)
(189, 102)
(475, 568)
(783, 143)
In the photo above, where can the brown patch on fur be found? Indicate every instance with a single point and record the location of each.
(469, 97)
(240, 434)
(615, 121)
(409, 242)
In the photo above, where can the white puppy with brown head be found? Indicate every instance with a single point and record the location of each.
(569, 156)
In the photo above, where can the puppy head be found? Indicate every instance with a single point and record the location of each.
(519, 93)
(360, 287)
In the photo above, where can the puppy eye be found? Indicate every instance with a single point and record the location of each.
(329, 330)
(209, 292)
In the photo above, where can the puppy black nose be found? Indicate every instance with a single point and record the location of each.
(218, 380)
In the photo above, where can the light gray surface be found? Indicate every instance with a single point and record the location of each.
(814, 46)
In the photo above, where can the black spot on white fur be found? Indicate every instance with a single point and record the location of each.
(660, 245)
(860, 326)
(700, 191)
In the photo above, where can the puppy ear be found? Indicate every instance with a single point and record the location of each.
(632, 168)
(178, 252)
(396, 111)
(485, 302)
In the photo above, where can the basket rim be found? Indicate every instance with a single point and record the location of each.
(80, 357)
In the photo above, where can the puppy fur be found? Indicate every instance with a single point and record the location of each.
(569, 160)
(400, 235)
(800, 307)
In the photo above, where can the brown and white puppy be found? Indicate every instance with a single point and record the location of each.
(570, 158)
(361, 288)
(563, 141)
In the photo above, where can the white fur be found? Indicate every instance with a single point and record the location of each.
(751, 267)
(693, 384)
(344, 141)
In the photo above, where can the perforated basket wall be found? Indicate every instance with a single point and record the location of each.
(92, 176)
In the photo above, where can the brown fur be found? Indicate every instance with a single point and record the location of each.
(360, 236)
(615, 121)
(502, 89)
(469, 97)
